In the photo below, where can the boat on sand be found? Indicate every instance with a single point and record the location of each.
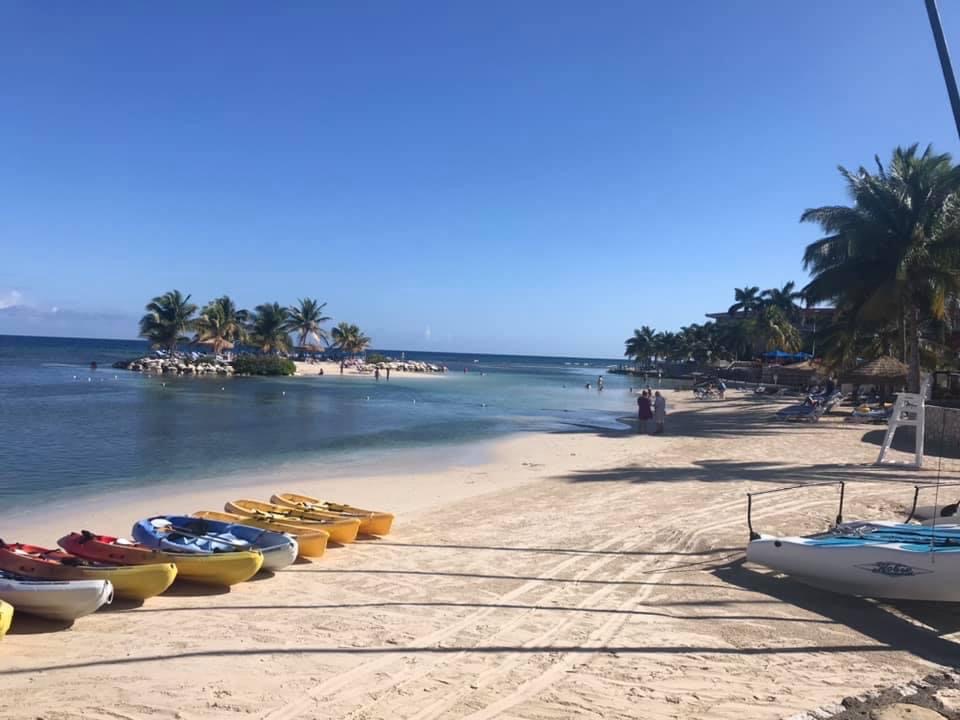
(182, 533)
(372, 522)
(6, 617)
(311, 541)
(64, 601)
(136, 582)
(341, 529)
(871, 559)
(221, 569)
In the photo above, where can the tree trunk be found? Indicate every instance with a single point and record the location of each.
(913, 379)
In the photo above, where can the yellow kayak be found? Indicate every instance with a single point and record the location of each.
(341, 529)
(311, 541)
(6, 617)
(133, 582)
(221, 569)
(372, 522)
(227, 568)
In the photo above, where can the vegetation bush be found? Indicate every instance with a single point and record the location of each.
(374, 358)
(263, 365)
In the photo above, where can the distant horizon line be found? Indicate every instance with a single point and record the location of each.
(380, 350)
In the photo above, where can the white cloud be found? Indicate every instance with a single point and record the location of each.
(54, 309)
(427, 333)
(10, 298)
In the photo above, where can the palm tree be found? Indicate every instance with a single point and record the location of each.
(784, 298)
(895, 252)
(736, 338)
(306, 319)
(349, 339)
(773, 330)
(639, 345)
(221, 324)
(747, 299)
(268, 328)
(168, 317)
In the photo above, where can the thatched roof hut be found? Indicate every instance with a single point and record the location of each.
(886, 370)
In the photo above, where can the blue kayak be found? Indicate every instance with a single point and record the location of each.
(185, 534)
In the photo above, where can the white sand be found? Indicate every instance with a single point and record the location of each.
(332, 369)
(593, 574)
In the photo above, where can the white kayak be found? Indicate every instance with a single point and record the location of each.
(64, 600)
(870, 559)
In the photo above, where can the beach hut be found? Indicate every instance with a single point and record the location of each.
(886, 373)
(800, 374)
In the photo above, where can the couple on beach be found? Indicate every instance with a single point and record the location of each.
(651, 407)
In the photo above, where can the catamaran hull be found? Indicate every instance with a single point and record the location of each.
(871, 570)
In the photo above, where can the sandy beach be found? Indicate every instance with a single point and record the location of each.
(589, 573)
(328, 368)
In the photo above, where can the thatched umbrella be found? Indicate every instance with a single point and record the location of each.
(216, 344)
(883, 372)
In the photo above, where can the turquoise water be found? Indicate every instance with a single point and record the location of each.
(65, 426)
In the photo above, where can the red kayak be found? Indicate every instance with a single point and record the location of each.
(136, 582)
(111, 550)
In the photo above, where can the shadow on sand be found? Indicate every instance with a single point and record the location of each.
(886, 623)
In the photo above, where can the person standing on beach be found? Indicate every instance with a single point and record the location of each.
(643, 412)
(600, 382)
(659, 411)
(376, 374)
(388, 374)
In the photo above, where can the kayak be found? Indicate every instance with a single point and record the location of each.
(312, 542)
(136, 582)
(6, 617)
(341, 529)
(182, 533)
(221, 569)
(372, 522)
(64, 601)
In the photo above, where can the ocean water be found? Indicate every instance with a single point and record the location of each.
(65, 428)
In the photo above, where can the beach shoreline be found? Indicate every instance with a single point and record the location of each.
(329, 368)
(588, 568)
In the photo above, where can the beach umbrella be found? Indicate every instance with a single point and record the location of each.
(777, 355)
(211, 343)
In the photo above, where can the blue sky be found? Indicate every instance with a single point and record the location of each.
(496, 176)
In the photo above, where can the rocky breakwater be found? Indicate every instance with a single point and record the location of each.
(176, 366)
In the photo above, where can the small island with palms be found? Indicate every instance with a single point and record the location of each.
(223, 339)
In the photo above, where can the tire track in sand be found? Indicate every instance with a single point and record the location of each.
(606, 632)
(439, 706)
(423, 668)
(328, 689)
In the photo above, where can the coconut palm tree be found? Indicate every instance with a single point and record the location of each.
(736, 338)
(221, 324)
(639, 345)
(349, 339)
(772, 330)
(268, 328)
(894, 254)
(747, 299)
(306, 320)
(168, 317)
(784, 298)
